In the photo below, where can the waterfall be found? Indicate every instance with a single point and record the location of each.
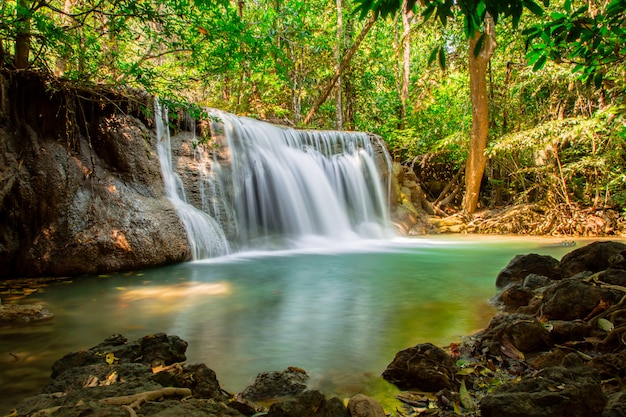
(288, 185)
(205, 235)
(262, 186)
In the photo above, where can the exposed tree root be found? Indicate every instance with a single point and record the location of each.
(559, 220)
(135, 401)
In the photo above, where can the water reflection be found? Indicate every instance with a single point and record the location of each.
(341, 315)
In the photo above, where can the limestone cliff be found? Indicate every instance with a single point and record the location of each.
(80, 183)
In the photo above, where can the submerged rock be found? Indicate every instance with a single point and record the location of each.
(20, 314)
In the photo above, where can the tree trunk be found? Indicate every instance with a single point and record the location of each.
(407, 17)
(22, 38)
(338, 53)
(61, 61)
(344, 63)
(476, 159)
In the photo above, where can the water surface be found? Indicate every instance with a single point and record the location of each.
(341, 313)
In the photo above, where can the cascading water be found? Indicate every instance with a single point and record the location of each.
(205, 235)
(292, 185)
(271, 187)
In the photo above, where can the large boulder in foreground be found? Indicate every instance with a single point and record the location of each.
(146, 376)
(424, 367)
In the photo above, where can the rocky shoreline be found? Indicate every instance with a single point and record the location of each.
(556, 348)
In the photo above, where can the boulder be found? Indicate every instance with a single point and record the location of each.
(423, 367)
(513, 297)
(572, 299)
(523, 265)
(276, 384)
(535, 281)
(309, 404)
(514, 335)
(363, 406)
(563, 331)
(554, 392)
(145, 375)
(594, 257)
(152, 350)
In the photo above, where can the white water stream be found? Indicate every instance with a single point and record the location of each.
(280, 188)
(205, 235)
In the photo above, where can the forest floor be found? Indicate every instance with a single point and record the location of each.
(536, 220)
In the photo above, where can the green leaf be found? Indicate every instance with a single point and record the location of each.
(533, 7)
(428, 11)
(605, 325)
(568, 5)
(442, 58)
(597, 80)
(466, 399)
(433, 55)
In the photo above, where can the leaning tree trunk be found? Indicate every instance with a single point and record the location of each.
(344, 64)
(476, 159)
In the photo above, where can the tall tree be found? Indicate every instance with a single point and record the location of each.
(407, 17)
(340, 68)
(22, 36)
(338, 54)
(479, 17)
(479, 57)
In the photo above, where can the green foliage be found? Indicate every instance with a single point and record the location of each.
(269, 59)
(592, 41)
(575, 159)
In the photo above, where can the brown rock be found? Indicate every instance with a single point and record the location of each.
(594, 257)
(363, 406)
(424, 367)
(523, 265)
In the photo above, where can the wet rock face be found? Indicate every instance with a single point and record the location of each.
(424, 367)
(86, 200)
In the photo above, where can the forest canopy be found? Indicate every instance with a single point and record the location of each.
(554, 78)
